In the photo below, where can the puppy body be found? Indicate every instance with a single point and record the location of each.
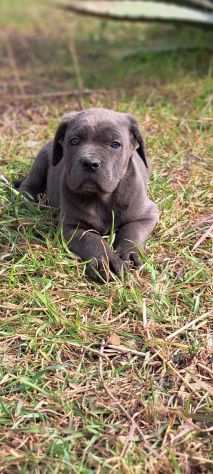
(95, 171)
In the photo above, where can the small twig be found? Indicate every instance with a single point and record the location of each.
(205, 368)
(202, 460)
(188, 429)
(201, 384)
(170, 425)
(127, 415)
(75, 93)
(187, 384)
(207, 430)
(125, 350)
(145, 323)
(119, 316)
(144, 313)
(186, 326)
(89, 349)
(208, 233)
(182, 387)
(76, 66)
(129, 438)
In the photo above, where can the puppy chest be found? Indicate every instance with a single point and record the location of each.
(88, 212)
(99, 217)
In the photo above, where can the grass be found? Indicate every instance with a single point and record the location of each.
(112, 378)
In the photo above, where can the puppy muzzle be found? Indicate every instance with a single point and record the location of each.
(90, 165)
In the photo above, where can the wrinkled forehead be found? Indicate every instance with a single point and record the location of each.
(100, 124)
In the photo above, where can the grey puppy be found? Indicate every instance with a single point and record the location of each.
(95, 171)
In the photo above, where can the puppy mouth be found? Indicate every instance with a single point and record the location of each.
(89, 186)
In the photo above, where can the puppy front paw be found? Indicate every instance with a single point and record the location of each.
(101, 269)
(130, 257)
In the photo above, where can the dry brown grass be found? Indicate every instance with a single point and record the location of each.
(114, 378)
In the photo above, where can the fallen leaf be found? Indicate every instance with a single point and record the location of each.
(114, 340)
(201, 385)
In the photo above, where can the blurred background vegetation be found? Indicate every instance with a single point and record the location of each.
(53, 50)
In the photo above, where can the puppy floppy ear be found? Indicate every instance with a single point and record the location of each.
(58, 142)
(59, 137)
(138, 139)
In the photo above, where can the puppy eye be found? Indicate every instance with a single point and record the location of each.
(115, 144)
(74, 141)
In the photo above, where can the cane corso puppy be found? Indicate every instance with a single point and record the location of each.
(95, 171)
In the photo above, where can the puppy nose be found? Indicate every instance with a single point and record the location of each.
(90, 165)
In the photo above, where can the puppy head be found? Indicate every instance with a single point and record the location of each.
(96, 145)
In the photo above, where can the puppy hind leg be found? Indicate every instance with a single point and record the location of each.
(35, 181)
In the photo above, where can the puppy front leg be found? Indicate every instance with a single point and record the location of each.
(132, 236)
(35, 182)
(89, 245)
